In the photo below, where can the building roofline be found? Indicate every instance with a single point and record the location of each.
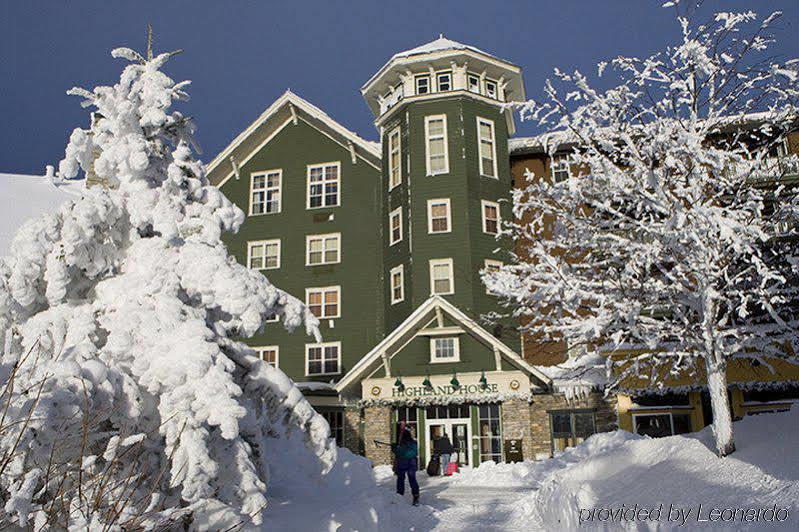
(430, 304)
(288, 97)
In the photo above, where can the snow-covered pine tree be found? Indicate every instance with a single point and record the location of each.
(662, 240)
(118, 319)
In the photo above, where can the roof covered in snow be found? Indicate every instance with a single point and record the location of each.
(442, 43)
(29, 196)
(287, 106)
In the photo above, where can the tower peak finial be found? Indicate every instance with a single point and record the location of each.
(440, 35)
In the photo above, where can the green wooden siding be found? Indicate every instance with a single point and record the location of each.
(358, 219)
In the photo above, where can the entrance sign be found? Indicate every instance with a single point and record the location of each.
(497, 382)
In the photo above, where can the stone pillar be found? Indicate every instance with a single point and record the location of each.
(352, 430)
(377, 426)
(516, 424)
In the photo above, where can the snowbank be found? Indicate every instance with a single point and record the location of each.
(619, 470)
(346, 498)
(530, 474)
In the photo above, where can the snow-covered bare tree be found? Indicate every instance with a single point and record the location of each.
(662, 241)
(118, 319)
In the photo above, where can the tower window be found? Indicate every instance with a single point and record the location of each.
(395, 226)
(491, 89)
(490, 217)
(323, 185)
(394, 159)
(438, 216)
(441, 281)
(473, 83)
(422, 84)
(436, 144)
(492, 266)
(488, 147)
(444, 81)
(265, 192)
(397, 276)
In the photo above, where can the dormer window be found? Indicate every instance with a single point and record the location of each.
(444, 81)
(422, 84)
(491, 89)
(473, 83)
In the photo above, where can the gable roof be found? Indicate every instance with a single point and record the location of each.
(415, 318)
(295, 107)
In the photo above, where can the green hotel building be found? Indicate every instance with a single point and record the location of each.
(385, 242)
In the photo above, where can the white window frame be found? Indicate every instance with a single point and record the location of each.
(396, 213)
(486, 265)
(401, 271)
(324, 237)
(324, 205)
(427, 139)
(483, 205)
(469, 77)
(266, 189)
(555, 163)
(416, 81)
(446, 262)
(439, 75)
(322, 345)
(325, 290)
(456, 347)
(430, 204)
(261, 348)
(252, 243)
(496, 88)
(493, 141)
(391, 150)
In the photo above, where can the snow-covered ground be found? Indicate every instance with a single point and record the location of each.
(606, 471)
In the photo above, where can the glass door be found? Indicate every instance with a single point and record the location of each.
(459, 435)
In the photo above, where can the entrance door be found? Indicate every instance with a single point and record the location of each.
(459, 432)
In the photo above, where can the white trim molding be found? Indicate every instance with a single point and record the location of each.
(323, 304)
(438, 136)
(325, 167)
(456, 350)
(259, 350)
(324, 238)
(394, 149)
(430, 204)
(415, 321)
(498, 221)
(265, 190)
(492, 139)
(394, 271)
(265, 244)
(323, 346)
(396, 213)
(450, 276)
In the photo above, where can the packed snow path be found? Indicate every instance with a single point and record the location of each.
(446, 505)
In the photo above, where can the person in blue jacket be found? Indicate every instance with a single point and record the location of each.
(406, 452)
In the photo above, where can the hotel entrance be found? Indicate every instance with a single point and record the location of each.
(455, 422)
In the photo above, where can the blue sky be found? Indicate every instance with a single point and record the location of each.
(241, 55)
